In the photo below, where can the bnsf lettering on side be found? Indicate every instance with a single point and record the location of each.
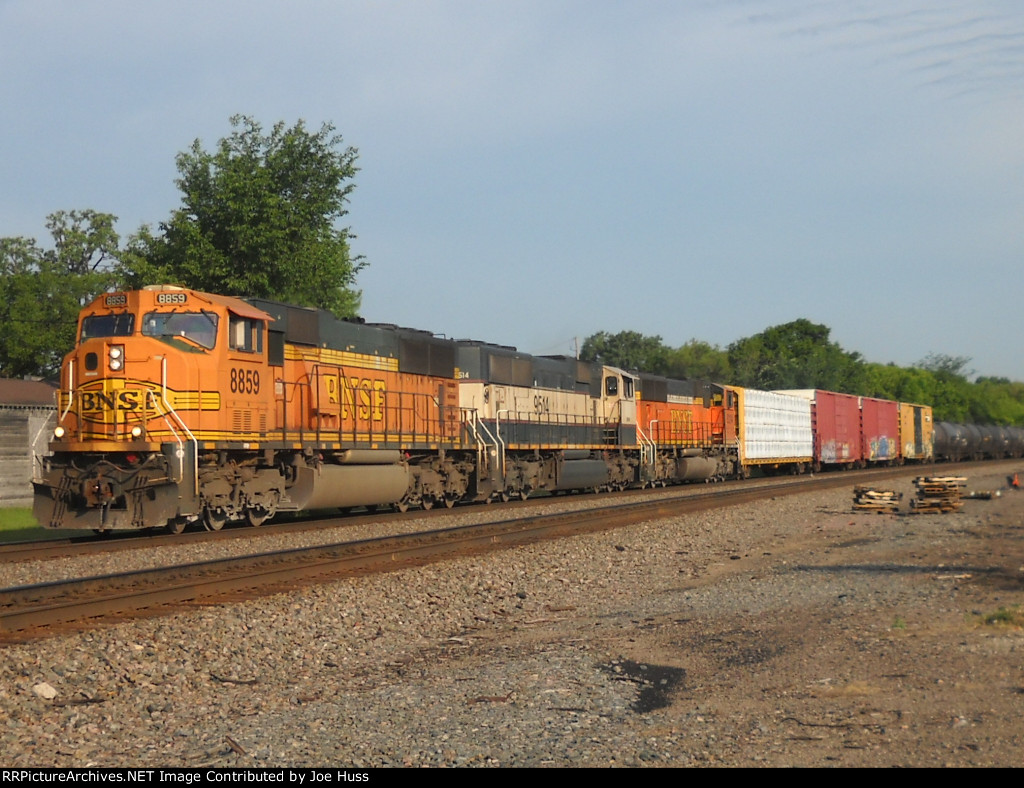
(128, 399)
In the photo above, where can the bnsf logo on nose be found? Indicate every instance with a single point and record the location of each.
(99, 401)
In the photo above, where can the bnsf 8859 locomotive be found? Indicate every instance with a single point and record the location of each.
(178, 406)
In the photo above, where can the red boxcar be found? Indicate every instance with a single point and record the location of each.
(880, 429)
(835, 421)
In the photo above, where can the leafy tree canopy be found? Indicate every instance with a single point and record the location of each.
(795, 355)
(627, 350)
(259, 218)
(42, 290)
(946, 366)
(697, 359)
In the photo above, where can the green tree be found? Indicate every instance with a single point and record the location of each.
(952, 393)
(259, 218)
(952, 366)
(903, 384)
(698, 359)
(796, 355)
(42, 290)
(627, 350)
(997, 401)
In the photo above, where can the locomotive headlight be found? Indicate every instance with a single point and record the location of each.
(58, 432)
(116, 355)
(136, 431)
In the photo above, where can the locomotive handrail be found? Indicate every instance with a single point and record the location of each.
(71, 395)
(548, 421)
(648, 450)
(653, 443)
(184, 428)
(476, 427)
(499, 442)
(151, 395)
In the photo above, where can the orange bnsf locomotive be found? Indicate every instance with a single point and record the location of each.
(178, 406)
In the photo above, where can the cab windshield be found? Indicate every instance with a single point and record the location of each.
(198, 327)
(99, 326)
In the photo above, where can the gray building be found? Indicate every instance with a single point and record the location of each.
(28, 412)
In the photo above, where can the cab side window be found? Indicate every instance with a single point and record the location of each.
(245, 334)
(611, 386)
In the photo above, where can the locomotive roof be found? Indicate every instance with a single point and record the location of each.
(236, 305)
(239, 307)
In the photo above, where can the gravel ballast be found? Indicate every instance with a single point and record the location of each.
(793, 632)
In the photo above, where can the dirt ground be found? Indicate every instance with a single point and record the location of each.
(795, 632)
(863, 640)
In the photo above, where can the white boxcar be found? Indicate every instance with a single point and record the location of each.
(774, 429)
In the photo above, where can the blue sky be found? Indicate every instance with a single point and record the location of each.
(534, 172)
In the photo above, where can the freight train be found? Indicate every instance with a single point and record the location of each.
(178, 407)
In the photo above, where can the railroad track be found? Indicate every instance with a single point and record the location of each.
(89, 544)
(29, 612)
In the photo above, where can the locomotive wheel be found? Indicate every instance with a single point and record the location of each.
(176, 525)
(214, 520)
(449, 502)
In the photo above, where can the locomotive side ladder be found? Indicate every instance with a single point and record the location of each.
(166, 411)
(490, 451)
(648, 455)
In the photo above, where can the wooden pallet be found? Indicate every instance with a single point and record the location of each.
(938, 494)
(936, 506)
(868, 499)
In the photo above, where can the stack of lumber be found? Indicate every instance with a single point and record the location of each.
(938, 494)
(868, 499)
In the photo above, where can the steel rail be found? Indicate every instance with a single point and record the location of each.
(209, 582)
(89, 544)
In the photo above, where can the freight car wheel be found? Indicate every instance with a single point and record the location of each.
(176, 525)
(449, 502)
(214, 519)
(256, 516)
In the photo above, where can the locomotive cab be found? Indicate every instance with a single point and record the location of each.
(162, 364)
(619, 404)
(158, 376)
